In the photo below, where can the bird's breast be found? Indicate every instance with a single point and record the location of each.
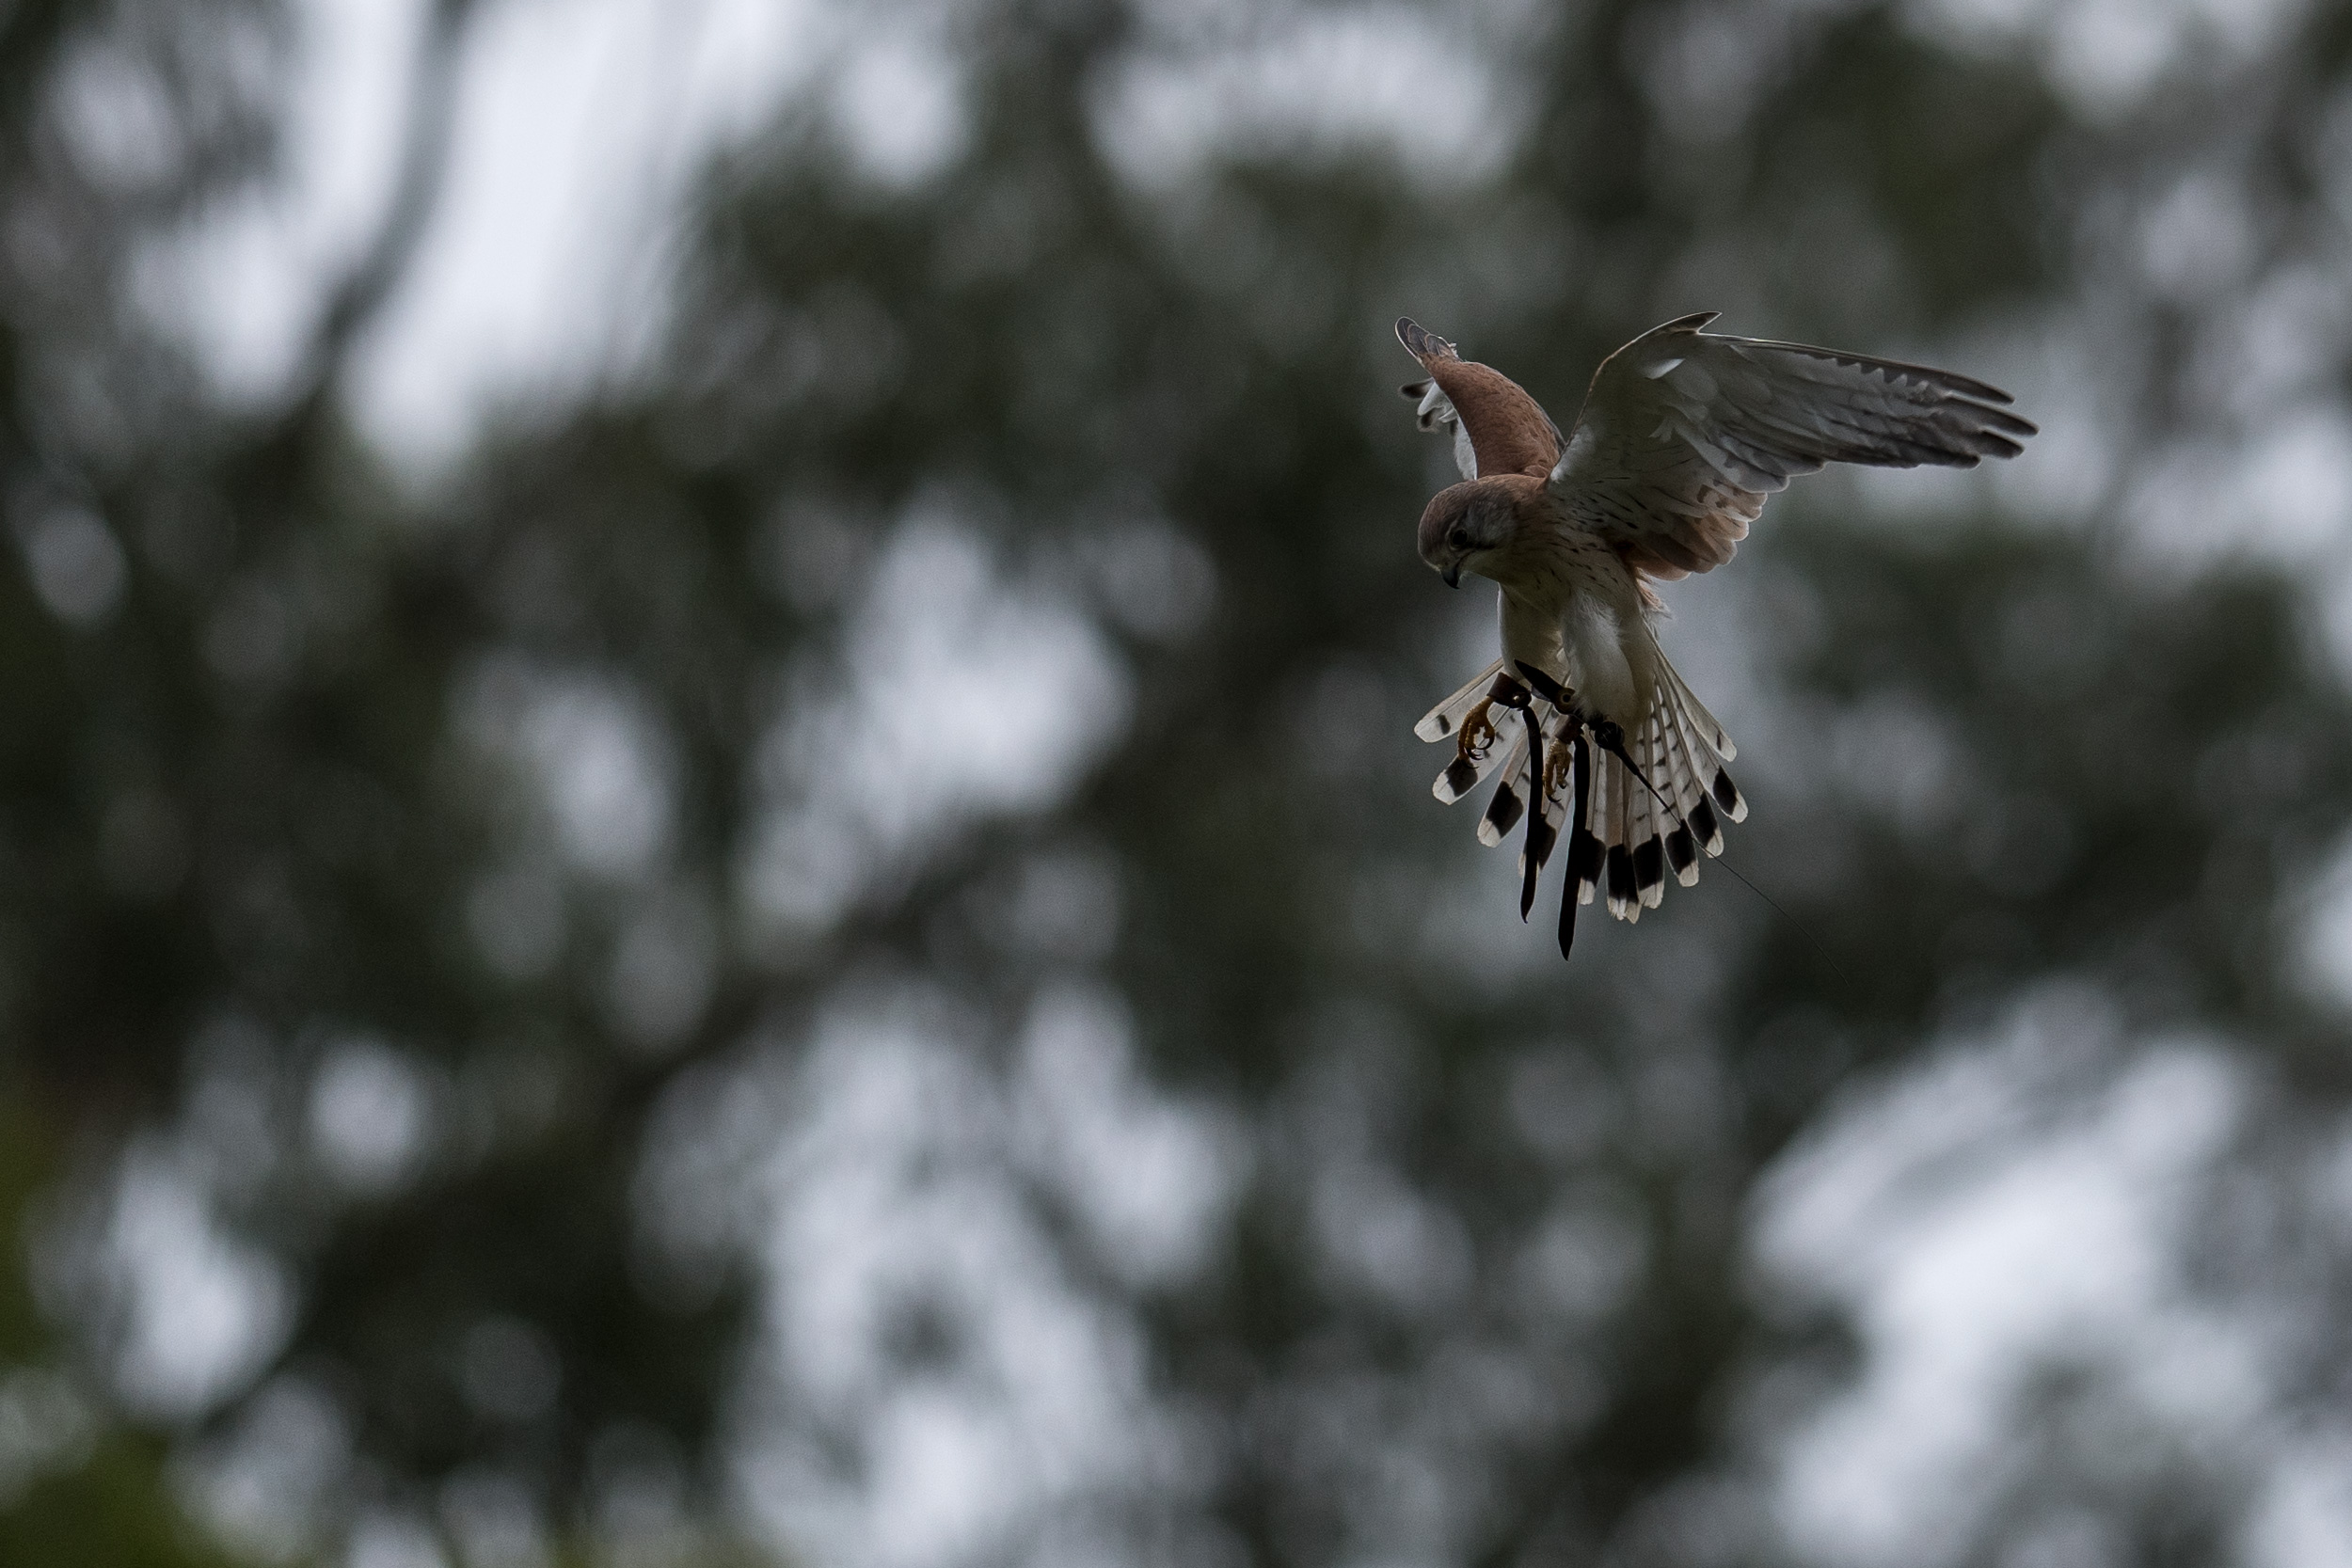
(1554, 566)
(1582, 589)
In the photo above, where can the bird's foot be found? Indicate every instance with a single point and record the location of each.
(1559, 767)
(1478, 733)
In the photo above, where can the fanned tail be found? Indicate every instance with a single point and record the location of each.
(1661, 822)
(1641, 828)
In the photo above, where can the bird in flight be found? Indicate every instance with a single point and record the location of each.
(1683, 434)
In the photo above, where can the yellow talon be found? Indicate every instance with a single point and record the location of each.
(1556, 769)
(1478, 731)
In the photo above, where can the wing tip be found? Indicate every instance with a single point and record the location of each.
(1968, 385)
(1964, 388)
(1421, 342)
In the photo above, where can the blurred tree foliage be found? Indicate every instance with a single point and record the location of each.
(285, 919)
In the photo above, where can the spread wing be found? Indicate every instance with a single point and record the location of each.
(1498, 429)
(1684, 435)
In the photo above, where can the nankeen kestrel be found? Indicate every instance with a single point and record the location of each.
(1682, 436)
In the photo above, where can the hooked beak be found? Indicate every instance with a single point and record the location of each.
(1453, 575)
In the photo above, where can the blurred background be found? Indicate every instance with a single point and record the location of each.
(711, 851)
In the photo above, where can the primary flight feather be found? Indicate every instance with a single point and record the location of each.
(1683, 435)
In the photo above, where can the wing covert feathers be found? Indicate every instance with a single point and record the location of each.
(1685, 434)
(1509, 430)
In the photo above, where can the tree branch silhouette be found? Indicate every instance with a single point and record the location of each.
(357, 300)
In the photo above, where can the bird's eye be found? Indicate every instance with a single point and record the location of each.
(1460, 539)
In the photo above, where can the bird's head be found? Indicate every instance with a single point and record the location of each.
(1463, 525)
